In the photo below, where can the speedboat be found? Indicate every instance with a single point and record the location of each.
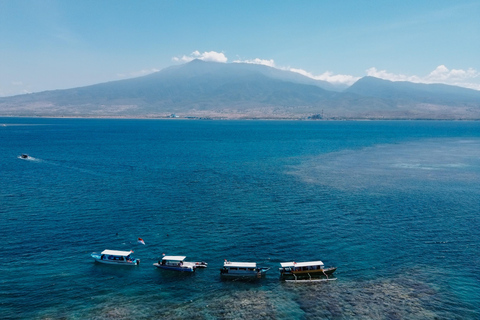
(242, 269)
(201, 264)
(123, 258)
(176, 263)
(305, 269)
(24, 156)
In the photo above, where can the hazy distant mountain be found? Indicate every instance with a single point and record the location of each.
(417, 92)
(238, 90)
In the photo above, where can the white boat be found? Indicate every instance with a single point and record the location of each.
(242, 269)
(123, 258)
(305, 269)
(176, 263)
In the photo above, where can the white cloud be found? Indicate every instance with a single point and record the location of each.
(326, 76)
(264, 62)
(441, 74)
(329, 77)
(464, 78)
(205, 56)
(220, 57)
(383, 74)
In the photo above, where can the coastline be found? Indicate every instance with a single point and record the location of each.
(236, 118)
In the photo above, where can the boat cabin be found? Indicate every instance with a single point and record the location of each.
(115, 257)
(315, 268)
(176, 263)
(299, 267)
(240, 269)
(172, 260)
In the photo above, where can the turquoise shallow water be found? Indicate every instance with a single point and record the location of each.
(394, 205)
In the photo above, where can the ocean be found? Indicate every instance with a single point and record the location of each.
(393, 204)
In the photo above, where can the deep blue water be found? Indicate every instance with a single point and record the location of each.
(394, 205)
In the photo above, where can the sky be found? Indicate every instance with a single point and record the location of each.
(59, 44)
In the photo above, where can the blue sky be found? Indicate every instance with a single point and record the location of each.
(48, 44)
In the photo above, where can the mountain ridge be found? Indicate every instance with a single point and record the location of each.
(239, 90)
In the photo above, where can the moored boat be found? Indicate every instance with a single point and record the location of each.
(305, 269)
(242, 269)
(123, 258)
(201, 264)
(176, 263)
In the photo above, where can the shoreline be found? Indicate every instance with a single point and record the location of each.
(233, 118)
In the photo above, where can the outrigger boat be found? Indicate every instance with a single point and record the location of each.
(242, 269)
(177, 263)
(122, 258)
(306, 270)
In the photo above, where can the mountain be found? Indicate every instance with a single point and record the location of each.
(419, 100)
(238, 90)
(416, 92)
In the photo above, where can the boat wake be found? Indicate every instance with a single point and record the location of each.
(62, 164)
(28, 158)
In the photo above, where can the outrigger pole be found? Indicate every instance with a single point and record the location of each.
(310, 279)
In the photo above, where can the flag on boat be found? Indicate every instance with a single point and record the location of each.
(140, 241)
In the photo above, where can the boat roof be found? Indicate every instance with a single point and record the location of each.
(301, 264)
(176, 258)
(240, 264)
(117, 253)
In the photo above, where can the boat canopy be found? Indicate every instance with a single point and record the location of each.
(174, 258)
(240, 264)
(301, 264)
(117, 253)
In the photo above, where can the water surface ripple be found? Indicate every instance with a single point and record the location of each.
(394, 205)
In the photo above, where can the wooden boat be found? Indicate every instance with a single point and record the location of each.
(305, 270)
(123, 258)
(176, 263)
(242, 269)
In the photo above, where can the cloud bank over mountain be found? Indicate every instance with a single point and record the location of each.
(211, 56)
(441, 74)
(469, 78)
